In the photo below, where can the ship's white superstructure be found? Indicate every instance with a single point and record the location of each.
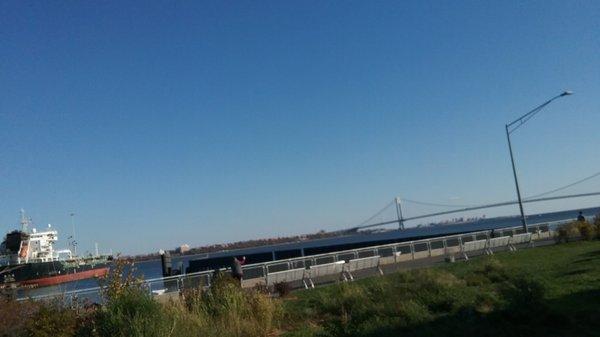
(36, 246)
(40, 247)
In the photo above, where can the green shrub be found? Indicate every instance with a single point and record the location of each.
(476, 279)
(16, 316)
(412, 312)
(586, 230)
(573, 230)
(129, 309)
(120, 279)
(225, 309)
(523, 296)
(40, 319)
(132, 313)
(397, 302)
(486, 302)
(494, 271)
(53, 320)
(350, 310)
(282, 288)
(440, 291)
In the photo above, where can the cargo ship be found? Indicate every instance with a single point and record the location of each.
(28, 259)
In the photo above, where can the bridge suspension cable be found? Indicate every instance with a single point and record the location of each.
(434, 204)
(566, 186)
(505, 203)
(462, 208)
(378, 213)
(426, 203)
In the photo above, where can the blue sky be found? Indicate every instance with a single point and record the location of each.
(161, 123)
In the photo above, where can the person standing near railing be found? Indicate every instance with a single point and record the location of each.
(236, 268)
(580, 217)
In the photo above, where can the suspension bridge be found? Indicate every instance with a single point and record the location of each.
(397, 206)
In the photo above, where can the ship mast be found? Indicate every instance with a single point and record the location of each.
(24, 222)
(73, 242)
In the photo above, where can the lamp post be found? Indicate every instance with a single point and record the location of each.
(510, 128)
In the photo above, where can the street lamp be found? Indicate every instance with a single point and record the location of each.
(510, 128)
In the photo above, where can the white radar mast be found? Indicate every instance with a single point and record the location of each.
(24, 222)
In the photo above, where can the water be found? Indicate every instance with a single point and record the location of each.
(145, 269)
(152, 269)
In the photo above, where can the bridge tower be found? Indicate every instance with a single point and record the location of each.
(399, 213)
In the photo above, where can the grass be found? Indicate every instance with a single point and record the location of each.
(547, 291)
(565, 269)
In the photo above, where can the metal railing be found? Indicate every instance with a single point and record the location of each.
(258, 273)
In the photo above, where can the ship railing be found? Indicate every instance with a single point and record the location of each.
(259, 273)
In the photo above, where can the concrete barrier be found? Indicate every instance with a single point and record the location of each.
(403, 253)
(195, 281)
(452, 246)
(359, 264)
(320, 270)
(437, 248)
(544, 235)
(253, 282)
(501, 241)
(519, 239)
(254, 272)
(286, 276)
(420, 250)
(453, 250)
(473, 246)
(275, 267)
(387, 260)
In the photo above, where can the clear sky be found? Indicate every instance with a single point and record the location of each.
(162, 123)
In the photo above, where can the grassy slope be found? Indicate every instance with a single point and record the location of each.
(567, 271)
(547, 291)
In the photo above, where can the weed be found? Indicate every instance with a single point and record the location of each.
(225, 309)
(282, 288)
(132, 313)
(570, 231)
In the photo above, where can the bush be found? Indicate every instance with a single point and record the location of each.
(129, 309)
(15, 317)
(119, 280)
(494, 271)
(398, 302)
(132, 313)
(225, 309)
(282, 288)
(586, 230)
(40, 319)
(524, 296)
(440, 291)
(53, 320)
(575, 229)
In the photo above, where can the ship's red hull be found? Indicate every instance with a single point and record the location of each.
(58, 279)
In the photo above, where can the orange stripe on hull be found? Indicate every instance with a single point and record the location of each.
(58, 279)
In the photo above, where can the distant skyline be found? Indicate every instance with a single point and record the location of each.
(164, 123)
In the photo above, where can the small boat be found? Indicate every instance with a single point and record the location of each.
(28, 259)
